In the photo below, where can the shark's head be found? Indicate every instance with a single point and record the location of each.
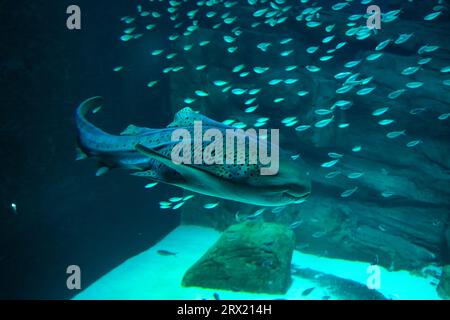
(290, 185)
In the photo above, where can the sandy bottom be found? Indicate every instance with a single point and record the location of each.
(150, 275)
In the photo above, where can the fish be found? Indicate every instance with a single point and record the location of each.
(352, 64)
(14, 208)
(340, 45)
(238, 68)
(386, 122)
(251, 109)
(335, 155)
(166, 253)
(152, 83)
(395, 134)
(413, 143)
(414, 84)
(290, 81)
(402, 38)
(263, 46)
(329, 164)
(220, 83)
(312, 68)
(146, 153)
(380, 111)
(410, 70)
(374, 56)
(188, 197)
(150, 185)
(387, 194)
(308, 291)
(238, 91)
(157, 52)
(318, 234)
(432, 16)
(424, 61)
(295, 224)
(178, 205)
(382, 45)
(342, 104)
(256, 214)
(311, 50)
(313, 24)
(332, 174)
(275, 81)
(417, 111)
(323, 123)
(302, 93)
(396, 94)
(323, 111)
(328, 39)
(126, 37)
(254, 91)
(342, 75)
(201, 93)
(284, 41)
(344, 89)
(355, 175)
(260, 70)
(347, 193)
(302, 127)
(365, 91)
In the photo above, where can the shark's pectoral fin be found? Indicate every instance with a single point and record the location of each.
(80, 154)
(151, 174)
(186, 171)
(101, 171)
(163, 174)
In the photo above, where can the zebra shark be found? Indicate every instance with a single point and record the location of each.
(146, 152)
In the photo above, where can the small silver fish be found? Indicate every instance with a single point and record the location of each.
(295, 224)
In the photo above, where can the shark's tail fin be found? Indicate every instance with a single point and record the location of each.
(87, 130)
(92, 104)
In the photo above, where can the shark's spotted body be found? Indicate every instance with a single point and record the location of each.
(148, 153)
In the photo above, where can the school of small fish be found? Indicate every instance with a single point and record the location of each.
(184, 19)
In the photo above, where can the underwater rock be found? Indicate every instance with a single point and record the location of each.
(443, 288)
(340, 288)
(401, 237)
(251, 256)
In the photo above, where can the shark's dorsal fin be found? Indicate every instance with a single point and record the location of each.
(186, 117)
(133, 130)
